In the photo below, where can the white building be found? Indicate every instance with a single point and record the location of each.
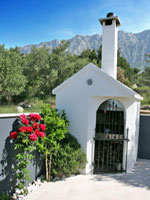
(103, 112)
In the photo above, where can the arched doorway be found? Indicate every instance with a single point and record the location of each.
(109, 137)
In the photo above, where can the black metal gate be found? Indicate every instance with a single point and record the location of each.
(109, 137)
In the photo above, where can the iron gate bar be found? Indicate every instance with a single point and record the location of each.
(113, 127)
(108, 153)
(109, 139)
(98, 151)
(116, 121)
(103, 154)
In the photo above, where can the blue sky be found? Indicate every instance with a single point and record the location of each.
(25, 22)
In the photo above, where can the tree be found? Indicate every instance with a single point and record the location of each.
(128, 72)
(60, 61)
(38, 72)
(121, 77)
(46, 68)
(99, 56)
(90, 55)
(12, 80)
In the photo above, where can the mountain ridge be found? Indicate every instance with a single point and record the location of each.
(132, 46)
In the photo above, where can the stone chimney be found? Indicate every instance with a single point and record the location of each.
(110, 43)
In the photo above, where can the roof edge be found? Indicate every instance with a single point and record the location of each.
(66, 82)
(93, 66)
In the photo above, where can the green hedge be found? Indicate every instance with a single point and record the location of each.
(69, 159)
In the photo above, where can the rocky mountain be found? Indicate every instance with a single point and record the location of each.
(132, 46)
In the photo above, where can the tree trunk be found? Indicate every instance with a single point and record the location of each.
(8, 98)
(46, 166)
(50, 164)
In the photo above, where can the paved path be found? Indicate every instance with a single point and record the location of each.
(131, 186)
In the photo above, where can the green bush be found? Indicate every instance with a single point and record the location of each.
(69, 159)
(4, 196)
(56, 128)
(145, 93)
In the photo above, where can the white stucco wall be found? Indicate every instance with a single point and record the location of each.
(132, 122)
(77, 114)
(81, 101)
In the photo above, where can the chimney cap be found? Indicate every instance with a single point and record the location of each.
(110, 16)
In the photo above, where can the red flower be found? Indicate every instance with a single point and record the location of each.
(25, 121)
(23, 116)
(29, 129)
(22, 129)
(33, 137)
(35, 125)
(34, 117)
(38, 117)
(42, 127)
(37, 132)
(31, 117)
(13, 135)
(42, 134)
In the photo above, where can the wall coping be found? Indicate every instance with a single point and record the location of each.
(12, 115)
(147, 112)
(145, 115)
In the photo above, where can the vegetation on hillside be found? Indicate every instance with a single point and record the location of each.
(143, 82)
(24, 78)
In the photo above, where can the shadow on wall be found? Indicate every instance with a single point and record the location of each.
(139, 177)
(7, 184)
(37, 168)
(8, 161)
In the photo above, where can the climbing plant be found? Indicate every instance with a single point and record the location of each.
(26, 135)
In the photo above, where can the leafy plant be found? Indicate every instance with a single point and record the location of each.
(56, 128)
(26, 135)
(69, 159)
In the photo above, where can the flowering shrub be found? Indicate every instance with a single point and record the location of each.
(13, 135)
(27, 133)
(30, 127)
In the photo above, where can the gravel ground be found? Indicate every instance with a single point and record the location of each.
(130, 186)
